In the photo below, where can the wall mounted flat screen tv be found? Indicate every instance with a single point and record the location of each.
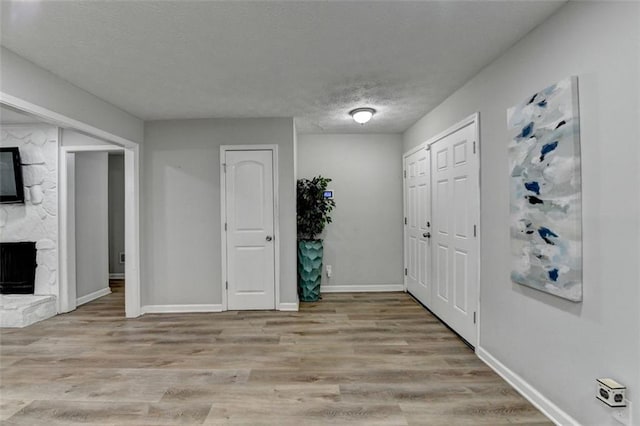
(11, 188)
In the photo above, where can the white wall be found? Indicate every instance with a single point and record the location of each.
(27, 81)
(116, 213)
(75, 138)
(181, 197)
(363, 244)
(92, 222)
(36, 219)
(557, 346)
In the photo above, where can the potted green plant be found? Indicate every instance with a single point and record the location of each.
(313, 215)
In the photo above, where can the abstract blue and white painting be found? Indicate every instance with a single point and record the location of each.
(545, 191)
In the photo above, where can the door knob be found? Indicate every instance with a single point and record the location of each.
(269, 238)
(427, 235)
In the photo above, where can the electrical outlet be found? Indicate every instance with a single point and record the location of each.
(611, 392)
(329, 271)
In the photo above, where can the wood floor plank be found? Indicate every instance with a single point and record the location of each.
(485, 411)
(65, 413)
(349, 359)
(8, 407)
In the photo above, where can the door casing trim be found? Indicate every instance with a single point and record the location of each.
(67, 260)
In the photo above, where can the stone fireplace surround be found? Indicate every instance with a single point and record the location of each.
(35, 220)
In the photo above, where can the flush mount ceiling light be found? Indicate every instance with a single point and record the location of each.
(362, 115)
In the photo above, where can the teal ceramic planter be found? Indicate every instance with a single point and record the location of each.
(309, 269)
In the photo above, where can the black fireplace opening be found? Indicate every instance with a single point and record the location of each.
(17, 267)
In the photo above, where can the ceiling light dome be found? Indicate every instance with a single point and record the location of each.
(362, 115)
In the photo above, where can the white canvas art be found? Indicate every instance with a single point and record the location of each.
(545, 191)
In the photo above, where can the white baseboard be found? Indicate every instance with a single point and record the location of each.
(174, 309)
(542, 403)
(355, 288)
(116, 276)
(289, 306)
(92, 296)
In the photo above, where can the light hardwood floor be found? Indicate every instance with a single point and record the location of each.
(365, 359)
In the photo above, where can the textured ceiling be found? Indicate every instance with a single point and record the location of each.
(308, 59)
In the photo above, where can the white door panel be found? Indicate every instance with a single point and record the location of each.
(418, 210)
(249, 219)
(455, 171)
(461, 284)
(442, 277)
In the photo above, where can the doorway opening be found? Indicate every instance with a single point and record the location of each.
(71, 259)
(98, 207)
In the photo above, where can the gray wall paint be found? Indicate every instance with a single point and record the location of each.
(92, 222)
(74, 138)
(116, 212)
(181, 197)
(560, 347)
(25, 80)
(364, 242)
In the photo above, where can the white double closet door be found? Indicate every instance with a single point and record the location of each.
(441, 228)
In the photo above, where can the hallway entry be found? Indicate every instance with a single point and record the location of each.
(442, 211)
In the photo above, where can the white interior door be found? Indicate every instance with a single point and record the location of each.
(454, 173)
(417, 226)
(250, 229)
